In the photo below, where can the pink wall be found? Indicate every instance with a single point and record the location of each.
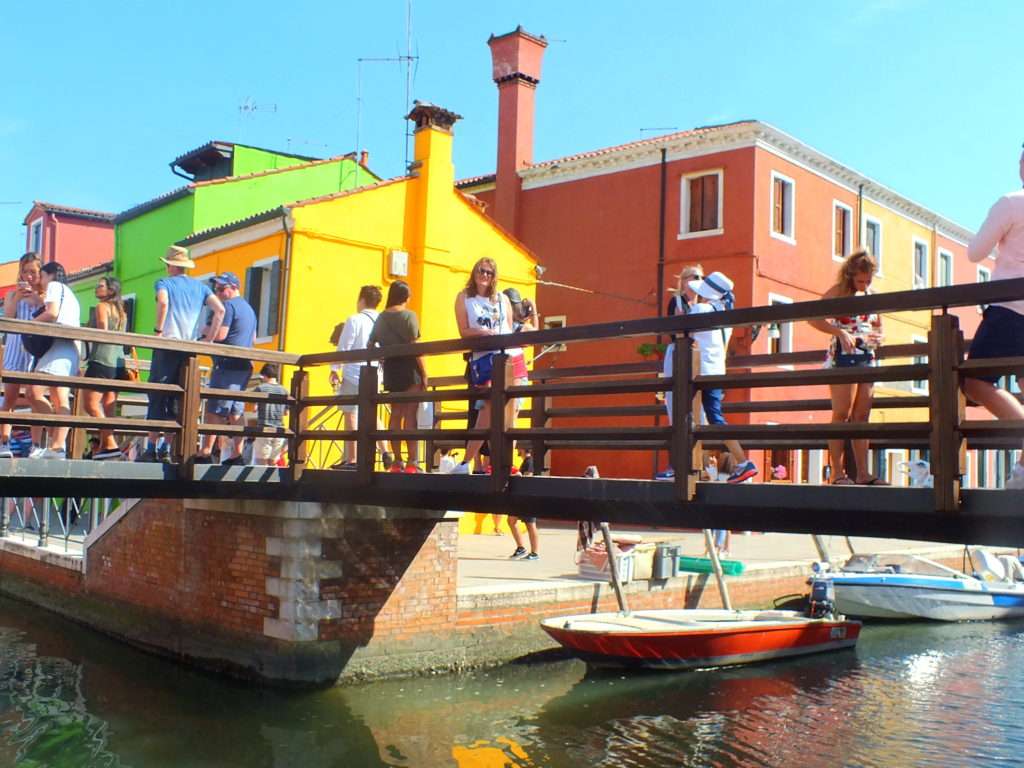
(77, 243)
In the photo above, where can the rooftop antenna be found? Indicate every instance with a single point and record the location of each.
(407, 59)
(249, 108)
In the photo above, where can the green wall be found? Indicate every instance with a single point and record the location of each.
(251, 160)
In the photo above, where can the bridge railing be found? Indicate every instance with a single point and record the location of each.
(940, 363)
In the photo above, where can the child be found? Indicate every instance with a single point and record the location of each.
(268, 451)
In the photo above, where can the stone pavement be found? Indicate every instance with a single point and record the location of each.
(484, 564)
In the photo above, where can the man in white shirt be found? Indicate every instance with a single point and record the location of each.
(356, 335)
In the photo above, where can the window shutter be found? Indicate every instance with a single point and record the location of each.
(275, 294)
(129, 311)
(710, 205)
(840, 232)
(696, 198)
(777, 217)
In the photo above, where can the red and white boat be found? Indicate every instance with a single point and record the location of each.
(693, 639)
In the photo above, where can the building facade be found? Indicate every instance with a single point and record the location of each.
(774, 214)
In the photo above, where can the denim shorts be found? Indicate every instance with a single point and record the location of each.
(228, 378)
(711, 402)
(1001, 334)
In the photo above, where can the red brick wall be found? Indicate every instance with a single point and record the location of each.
(203, 567)
(398, 580)
(66, 580)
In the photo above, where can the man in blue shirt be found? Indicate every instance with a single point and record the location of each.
(180, 300)
(238, 329)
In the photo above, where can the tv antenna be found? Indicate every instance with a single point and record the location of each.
(407, 59)
(249, 108)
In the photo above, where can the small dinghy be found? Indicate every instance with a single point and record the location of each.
(912, 587)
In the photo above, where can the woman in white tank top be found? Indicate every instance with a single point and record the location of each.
(481, 310)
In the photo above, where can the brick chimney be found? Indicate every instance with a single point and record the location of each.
(516, 59)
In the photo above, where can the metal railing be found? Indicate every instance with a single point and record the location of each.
(68, 519)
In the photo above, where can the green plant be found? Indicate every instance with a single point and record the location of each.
(651, 349)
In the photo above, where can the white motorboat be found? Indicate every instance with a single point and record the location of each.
(913, 587)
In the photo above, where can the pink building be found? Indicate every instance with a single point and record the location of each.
(75, 237)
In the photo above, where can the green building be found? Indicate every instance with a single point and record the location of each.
(226, 182)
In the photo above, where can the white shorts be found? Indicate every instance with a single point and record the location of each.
(61, 359)
(269, 450)
(348, 388)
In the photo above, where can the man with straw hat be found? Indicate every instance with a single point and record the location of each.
(180, 300)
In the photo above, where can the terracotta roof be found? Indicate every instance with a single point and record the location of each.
(347, 192)
(67, 210)
(472, 181)
(215, 148)
(156, 202)
(98, 269)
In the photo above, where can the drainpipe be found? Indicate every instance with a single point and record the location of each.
(661, 232)
(860, 216)
(53, 240)
(287, 224)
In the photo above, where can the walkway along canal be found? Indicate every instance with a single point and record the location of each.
(305, 575)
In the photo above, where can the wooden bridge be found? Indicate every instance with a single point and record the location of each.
(946, 512)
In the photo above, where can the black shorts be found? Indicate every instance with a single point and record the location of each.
(1001, 334)
(96, 370)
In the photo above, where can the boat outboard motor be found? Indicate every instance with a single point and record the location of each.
(823, 599)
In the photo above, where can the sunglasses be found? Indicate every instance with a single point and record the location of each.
(485, 272)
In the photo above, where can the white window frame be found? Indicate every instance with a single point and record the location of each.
(848, 245)
(264, 305)
(968, 478)
(554, 321)
(918, 359)
(864, 240)
(785, 329)
(36, 226)
(893, 458)
(987, 279)
(913, 264)
(790, 236)
(952, 267)
(684, 210)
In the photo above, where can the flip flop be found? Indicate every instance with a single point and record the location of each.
(844, 480)
(874, 481)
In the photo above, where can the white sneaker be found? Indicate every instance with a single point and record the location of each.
(460, 469)
(1016, 480)
(5, 451)
(36, 453)
(49, 453)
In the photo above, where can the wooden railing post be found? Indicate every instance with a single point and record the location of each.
(298, 448)
(366, 424)
(539, 419)
(188, 439)
(500, 444)
(946, 411)
(74, 443)
(681, 441)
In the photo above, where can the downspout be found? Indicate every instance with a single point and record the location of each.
(860, 216)
(176, 172)
(53, 240)
(287, 224)
(661, 269)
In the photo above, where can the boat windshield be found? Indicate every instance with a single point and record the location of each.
(897, 563)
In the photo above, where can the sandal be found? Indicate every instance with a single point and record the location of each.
(844, 480)
(874, 481)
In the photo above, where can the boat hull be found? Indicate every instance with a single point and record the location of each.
(879, 597)
(682, 640)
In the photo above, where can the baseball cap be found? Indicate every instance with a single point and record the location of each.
(228, 278)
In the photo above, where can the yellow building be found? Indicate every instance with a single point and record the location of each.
(302, 264)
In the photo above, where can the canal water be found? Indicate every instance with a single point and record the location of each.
(910, 695)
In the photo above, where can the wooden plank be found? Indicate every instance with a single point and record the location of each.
(591, 388)
(434, 396)
(855, 431)
(82, 382)
(297, 418)
(331, 400)
(592, 433)
(606, 411)
(76, 436)
(992, 366)
(540, 418)
(590, 371)
(813, 377)
(366, 424)
(1009, 428)
(500, 444)
(245, 396)
(116, 423)
(946, 411)
(820, 404)
(238, 430)
(188, 441)
(680, 432)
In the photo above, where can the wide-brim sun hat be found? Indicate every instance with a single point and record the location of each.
(178, 257)
(713, 287)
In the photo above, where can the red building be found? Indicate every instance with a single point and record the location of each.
(76, 237)
(744, 198)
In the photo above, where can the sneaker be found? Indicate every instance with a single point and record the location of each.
(110, 453)
(387, 460)
(743, 472)
(461, 469)
(413, 469)
(50, 453)
(668, 474)
(532, 556)
(234, 461)
(519, 554)
(396, 468)
(201, 459)
(5, 451)
(164, 455)
(1016, 479)
(148, 456)
(514, 470)
(36, 452)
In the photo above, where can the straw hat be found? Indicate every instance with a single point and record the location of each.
(177, 257)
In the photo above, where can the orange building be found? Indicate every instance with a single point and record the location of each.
(745, 198)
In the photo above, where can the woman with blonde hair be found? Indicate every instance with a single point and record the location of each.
(482, 310)
(19, 304)
(855, 340)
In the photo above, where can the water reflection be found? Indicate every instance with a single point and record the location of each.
(911, 695)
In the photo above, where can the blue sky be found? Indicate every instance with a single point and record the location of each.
(97, 97)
